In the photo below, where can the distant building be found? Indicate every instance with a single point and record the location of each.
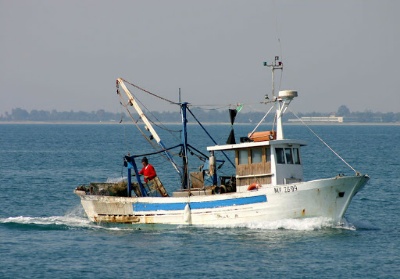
(319, 119)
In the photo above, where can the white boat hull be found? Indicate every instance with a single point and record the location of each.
(327, 198)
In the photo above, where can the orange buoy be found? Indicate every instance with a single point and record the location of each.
(262, 136)
(253, 186)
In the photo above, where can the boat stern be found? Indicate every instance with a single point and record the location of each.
(107, 209)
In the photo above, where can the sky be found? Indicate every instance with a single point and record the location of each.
(66, 55)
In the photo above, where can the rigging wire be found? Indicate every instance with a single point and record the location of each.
(148, 139)
(259, 123)
(222, 106)
(144, 106)
(123, 103)
(281, 75)
(152, 144)
(279, 40)
(155, 95)
(161, 126)
(334, 152)
(218, 106)
(209, 135)
(134, 121)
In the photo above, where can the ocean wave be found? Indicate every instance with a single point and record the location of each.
(74, 219)
(46, 223)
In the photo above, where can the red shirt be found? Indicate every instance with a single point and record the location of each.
(149, 172)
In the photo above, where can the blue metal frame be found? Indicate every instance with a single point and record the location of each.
(132, 164)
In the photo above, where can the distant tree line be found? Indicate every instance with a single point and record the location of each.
(18, 115)
(211, 116)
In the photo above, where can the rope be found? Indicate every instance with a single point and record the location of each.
(134, 121)
(259, 123)
(161, 126)
(217, 107)
(222, 106)
(356, 172)
(148, 92)
(152, 143)
(204, 129)
(157, 152)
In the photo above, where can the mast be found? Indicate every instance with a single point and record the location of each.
(185, 180)
(133, 103)
(276, 65)
(283, 99)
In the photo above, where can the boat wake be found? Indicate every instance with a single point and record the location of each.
(306, 224)
(78, 221)
(74, 219)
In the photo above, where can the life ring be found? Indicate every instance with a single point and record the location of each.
(253, 186)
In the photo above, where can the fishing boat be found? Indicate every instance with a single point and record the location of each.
(266, 184)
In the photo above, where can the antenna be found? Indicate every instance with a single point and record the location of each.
(276, 65)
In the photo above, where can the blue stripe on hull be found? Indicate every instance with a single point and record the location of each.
(141, 206)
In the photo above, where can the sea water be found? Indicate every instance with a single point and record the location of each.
(44, 232)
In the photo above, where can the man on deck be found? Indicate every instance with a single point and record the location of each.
(150, 175)
(147, 171)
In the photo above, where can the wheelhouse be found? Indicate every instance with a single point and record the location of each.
(267, 162)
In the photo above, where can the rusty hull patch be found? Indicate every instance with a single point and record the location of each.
(125, 219)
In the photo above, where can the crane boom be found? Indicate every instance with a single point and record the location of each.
(153, 132)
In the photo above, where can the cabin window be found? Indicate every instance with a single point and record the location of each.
(280, 155)
(288, 154)
(296, 156)
(256, 155)
(243, 157)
